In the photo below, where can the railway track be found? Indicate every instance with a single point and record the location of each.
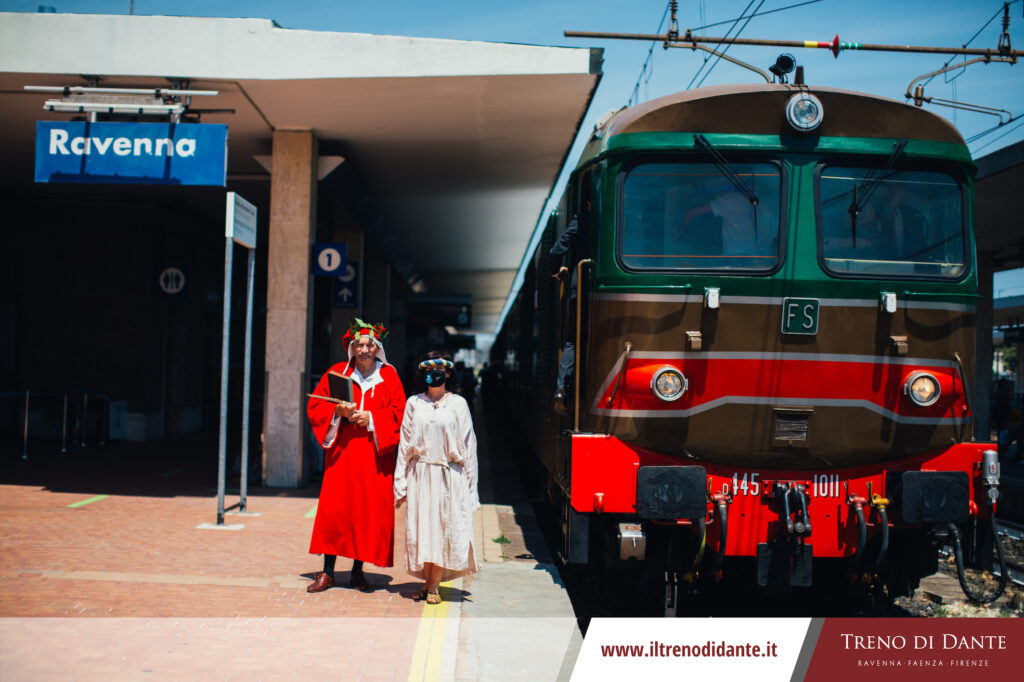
(1011, 534)
(596, 595)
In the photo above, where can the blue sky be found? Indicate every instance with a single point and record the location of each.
(541, 22)
(920, 22)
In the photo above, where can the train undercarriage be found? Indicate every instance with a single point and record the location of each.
(670, 535)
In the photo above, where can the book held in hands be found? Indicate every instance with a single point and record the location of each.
(339, 386)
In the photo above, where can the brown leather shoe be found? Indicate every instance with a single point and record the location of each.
(321, 583)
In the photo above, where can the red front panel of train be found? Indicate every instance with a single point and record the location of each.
(604, 480)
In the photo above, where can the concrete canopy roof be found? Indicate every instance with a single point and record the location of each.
(459, 143)
(997, 206)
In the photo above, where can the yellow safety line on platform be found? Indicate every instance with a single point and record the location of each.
(426, 655)
(311, 514)
(97, 498)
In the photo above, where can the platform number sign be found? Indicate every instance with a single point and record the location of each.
(800, 316)
(329, 259)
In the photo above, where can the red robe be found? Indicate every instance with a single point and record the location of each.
(355, 517)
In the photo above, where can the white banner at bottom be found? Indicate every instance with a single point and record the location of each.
(654, 649)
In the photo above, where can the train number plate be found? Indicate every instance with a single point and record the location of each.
(751, 483)
(800, 316)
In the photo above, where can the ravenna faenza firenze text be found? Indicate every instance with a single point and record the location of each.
(121, 146)
(946, 641)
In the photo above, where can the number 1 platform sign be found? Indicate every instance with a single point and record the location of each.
(329, 259)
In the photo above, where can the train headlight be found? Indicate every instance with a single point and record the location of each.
(804, 112)
(922, 388)
(669, 384)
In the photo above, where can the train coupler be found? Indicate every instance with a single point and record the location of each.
(787, 561)
(793, 500)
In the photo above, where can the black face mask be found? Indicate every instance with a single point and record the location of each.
(435, 377)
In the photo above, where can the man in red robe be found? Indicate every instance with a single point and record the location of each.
(355, 517)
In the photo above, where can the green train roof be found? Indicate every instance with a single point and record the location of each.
(761, 110)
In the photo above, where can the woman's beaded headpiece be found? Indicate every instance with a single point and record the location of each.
(437, 362)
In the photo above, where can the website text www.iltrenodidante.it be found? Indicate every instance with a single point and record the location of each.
(709, 649)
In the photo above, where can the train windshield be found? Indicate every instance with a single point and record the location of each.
(891, 224)
(690, 216)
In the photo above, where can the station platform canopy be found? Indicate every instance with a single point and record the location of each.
(999, 179)
(460, 143)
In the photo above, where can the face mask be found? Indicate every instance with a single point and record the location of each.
(435, 377)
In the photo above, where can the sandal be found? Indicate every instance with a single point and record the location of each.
(420, 594)
(433, 598)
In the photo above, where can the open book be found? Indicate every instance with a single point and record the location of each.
(340, 387)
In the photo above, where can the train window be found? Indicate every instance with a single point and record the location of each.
(689, 216)
(895, 224)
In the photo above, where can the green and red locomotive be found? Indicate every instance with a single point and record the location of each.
(774, 334)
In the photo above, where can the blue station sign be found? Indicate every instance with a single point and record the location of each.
(132, 153)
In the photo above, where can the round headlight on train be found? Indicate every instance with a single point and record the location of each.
(804, 111)
(669, 384)
(922, 388)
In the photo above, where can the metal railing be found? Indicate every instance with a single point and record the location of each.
(74, 406)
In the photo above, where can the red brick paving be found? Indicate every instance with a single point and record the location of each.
(99, 592)
(128, 588)
(207, 649)
(127, 556)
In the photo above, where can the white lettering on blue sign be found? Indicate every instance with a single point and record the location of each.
(122, 146)
(151, 153)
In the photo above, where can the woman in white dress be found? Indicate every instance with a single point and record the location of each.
(436, 471)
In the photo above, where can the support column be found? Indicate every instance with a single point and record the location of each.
(982, 384)
(289, 307)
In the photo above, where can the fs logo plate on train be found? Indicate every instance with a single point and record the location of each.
(800, 316)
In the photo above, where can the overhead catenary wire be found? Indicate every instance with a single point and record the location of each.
(728, 41)
(634, 97)
(672, 38)
(646, 70)
(1019, 118)
(1004, 10)
(977, 33)
(835, 45)
(756, 14)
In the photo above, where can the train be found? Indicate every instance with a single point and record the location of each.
(772, 313)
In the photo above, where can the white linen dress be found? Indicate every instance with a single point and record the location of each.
(436, 470)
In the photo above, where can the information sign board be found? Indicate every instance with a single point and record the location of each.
(240, 221)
